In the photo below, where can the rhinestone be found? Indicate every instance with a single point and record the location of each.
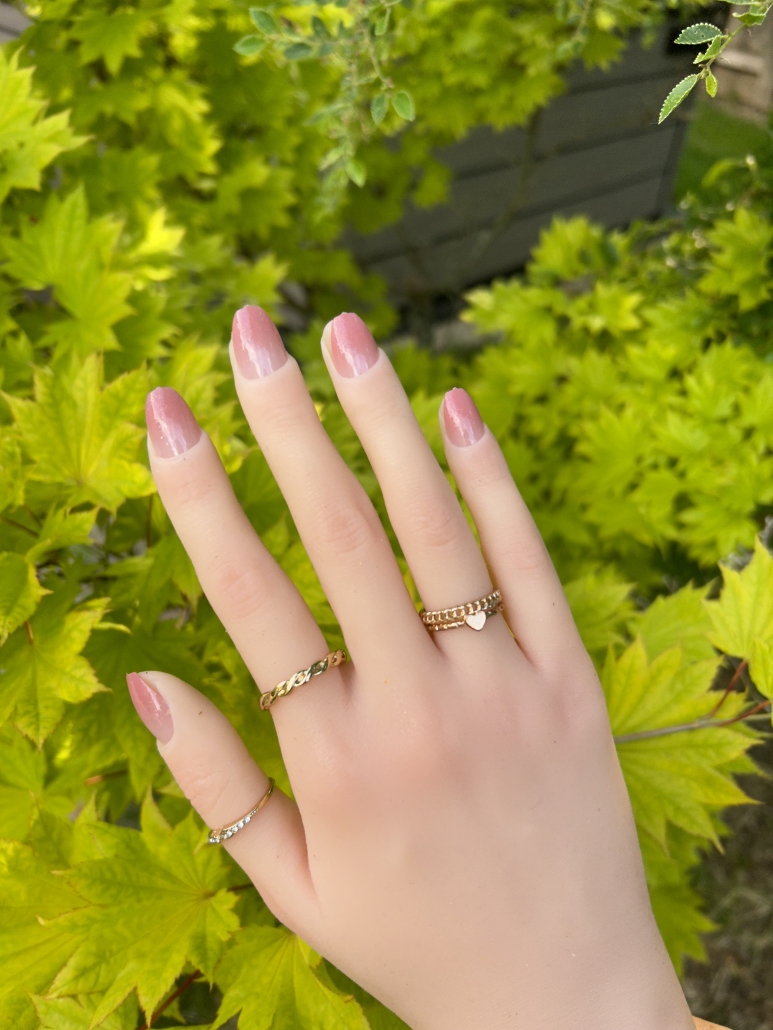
(240, 824)
(247, 818)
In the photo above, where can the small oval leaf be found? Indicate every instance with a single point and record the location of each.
(402, 102)
(676, 96)
(697, 34)
(356, 172)
(379, 106)
(711, 84)
(298, 51)
(250, 45)
(382, 24)
(263, 20)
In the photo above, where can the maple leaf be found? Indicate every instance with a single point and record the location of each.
(277, 982)
(44, 668)
(20, 592)
(676, 777)
(156, 900)
(744, 611)
(32, 950)
(80, 436)
(28, 140)
(111, 35)
(25, 784)
(67, 251)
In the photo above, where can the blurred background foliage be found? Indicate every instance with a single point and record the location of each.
(153, 179)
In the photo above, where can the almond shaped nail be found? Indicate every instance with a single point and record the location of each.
(352, 347)
(151, 707)
(257, 345)
(172, 426)
(461, 419)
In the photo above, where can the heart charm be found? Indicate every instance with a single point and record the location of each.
(476, 621)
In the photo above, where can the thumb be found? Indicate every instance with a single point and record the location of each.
(217, 774)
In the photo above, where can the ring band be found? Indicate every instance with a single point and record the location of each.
(269, 697)
(474, 614)
(218, 836)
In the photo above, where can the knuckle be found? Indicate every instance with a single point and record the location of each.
(205, 788)
(345, 531)
(436, 524)
(237, 590)
(524, 552)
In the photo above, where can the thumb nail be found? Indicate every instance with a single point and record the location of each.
(151, 707)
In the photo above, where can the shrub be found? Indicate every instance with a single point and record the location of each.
(178, 187)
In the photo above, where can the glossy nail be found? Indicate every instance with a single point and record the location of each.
(258, 347)
(172, 426)
(462, 421)
(352, 347)
(151, 707)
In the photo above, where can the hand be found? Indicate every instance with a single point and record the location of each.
(461, 841)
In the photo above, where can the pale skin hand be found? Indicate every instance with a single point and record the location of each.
(461, 843)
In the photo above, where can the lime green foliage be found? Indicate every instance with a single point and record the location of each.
(154, 179)
(714, 136)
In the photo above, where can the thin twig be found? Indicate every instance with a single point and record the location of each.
(18, 525)
(728, 690)
(105, 776)
(687, 727)
(172, 997)
(241, 887)
(30, 634)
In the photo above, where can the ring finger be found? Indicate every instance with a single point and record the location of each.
(439, 546)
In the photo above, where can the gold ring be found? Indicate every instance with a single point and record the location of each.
(218, 836)
(283, 689)
(474, 614)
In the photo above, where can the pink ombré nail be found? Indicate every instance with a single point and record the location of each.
(172, 427)
(461, 419)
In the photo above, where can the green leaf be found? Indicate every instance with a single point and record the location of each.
(703, 32)
(711, 84)
(33, 947)
(29, 141)
(356, 172)
(155, 901)
(761, 666)
(382, 24)
(44, 668)
(744, 611)
(276, 980)
(20, 592)
(61, 529)
(110, 35)
(248, 46)
(298, 51)
(66, 250)
(676, 96)
(264, 20)
(403, 104)
(80, 437)
(379, 106)
(711, 51)
(78, 1014)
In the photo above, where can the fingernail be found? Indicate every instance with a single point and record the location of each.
(352, 348)
(461, 418)
(151, 707)
(172, 426)
(258, 347)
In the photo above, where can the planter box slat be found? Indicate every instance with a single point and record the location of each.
(597, 149)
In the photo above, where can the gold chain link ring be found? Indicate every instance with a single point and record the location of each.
(474, 614)
(269, 697)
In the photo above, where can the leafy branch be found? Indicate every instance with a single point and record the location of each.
(718, 41)
(359, 46)
(697, 724)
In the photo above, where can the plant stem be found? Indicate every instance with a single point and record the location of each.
(728, 689)
(18, 525)
(687, 727)
(172, 997)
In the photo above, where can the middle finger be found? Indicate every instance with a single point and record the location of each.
(338, 524)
